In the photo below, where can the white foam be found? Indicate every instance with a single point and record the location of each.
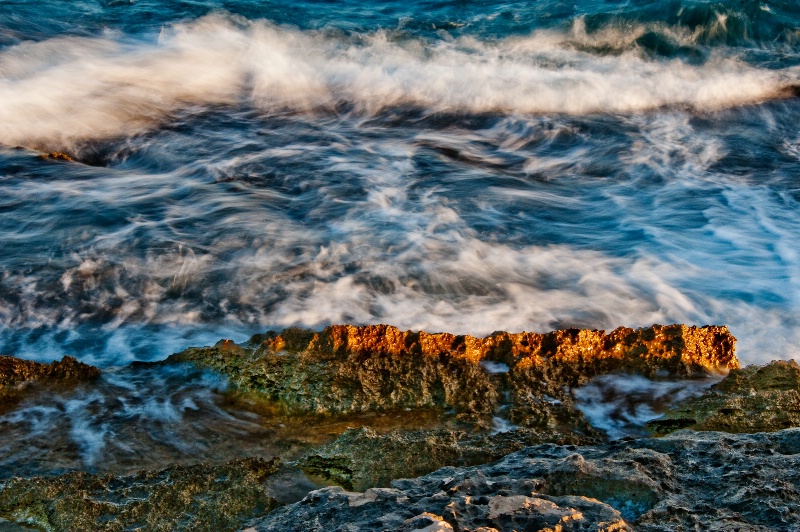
(502, 425)
(88, 432)
(494, 367)
(128, 410)
(69, 88)
(717, 248)
(425, 268)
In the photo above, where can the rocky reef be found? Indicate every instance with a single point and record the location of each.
(440, 432)
(18, 376)
(686, 481)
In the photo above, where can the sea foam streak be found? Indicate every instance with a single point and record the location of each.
(56, 91)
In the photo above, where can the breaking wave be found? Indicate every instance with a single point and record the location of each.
(57, 91)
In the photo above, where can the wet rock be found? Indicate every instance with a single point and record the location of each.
(197, 497)
(8, 526)
(15, 371)
(751, 399)
(685, 481)
(354, 369)
(18, 375)
(58, 156)
(361, 458)
(392, 509)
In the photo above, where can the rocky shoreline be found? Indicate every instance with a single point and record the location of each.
(446, 432)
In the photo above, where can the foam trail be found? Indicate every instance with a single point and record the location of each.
(69, 88)
(125, 417)
(622, 404)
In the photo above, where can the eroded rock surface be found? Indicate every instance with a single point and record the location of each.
(353, 369)
(751, 399)
(17, 375)
(198, 497)
(685, 481)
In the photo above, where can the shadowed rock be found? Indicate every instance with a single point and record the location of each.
(685, 481)
(751, 399)
(347, 369)
(198, 497)
(17, 375)
(361, 458)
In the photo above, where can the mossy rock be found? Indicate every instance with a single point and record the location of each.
(362, 458)
(200, 497)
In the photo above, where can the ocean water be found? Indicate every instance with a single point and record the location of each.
(453, 166)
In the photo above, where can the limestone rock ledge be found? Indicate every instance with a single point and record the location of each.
(684, 481)
(346, 369)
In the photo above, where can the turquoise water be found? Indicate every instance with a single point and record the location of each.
(447, 166)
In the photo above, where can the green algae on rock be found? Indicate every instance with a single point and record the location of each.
(345, 369)
(752, 399)
(16, 375)
(361, 458)
(200, 497)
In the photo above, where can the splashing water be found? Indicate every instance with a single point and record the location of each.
(244, 166)
(620, 405)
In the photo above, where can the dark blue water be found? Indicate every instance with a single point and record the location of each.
(458, 166)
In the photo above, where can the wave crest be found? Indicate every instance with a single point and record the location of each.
(55, 92)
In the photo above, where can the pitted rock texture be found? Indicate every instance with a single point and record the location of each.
(751, 399)
(16, 375)
(386, 509)
(361, 458)
(347, 369)
(685, 481)
(198, 498)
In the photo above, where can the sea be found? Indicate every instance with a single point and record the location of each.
(174, 173)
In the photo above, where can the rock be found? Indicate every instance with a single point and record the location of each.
(58, 156)
(14, 371)
(197, 497)
(17, 375)
(346, 369)
(752, 399)
(391, 509)
(361, 458)
(8, 526)
(684, 481)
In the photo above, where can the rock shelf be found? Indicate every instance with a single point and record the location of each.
(346, 369)
(546, 468)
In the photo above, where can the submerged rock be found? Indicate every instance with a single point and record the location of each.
(361, 458)
(751, 399)
(17, 375)
(685, 481)
(346, 369)
(197, 497)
